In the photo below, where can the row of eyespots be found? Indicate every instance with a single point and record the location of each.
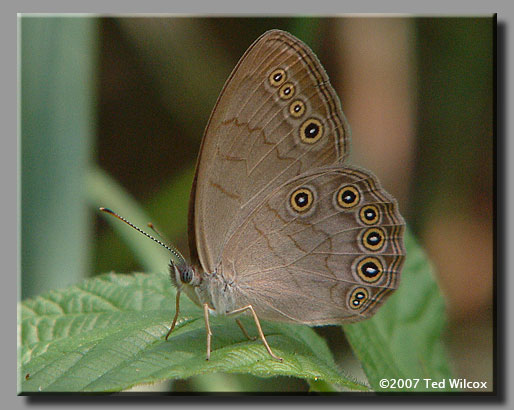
(311, 129)
(372, 239)
(369, 269)
(348, 197)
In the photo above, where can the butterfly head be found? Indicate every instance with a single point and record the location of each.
(183, 274)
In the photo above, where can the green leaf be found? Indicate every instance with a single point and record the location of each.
(107, 334)
(402, 341)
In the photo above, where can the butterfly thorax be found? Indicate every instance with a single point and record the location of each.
(217, 292)
(202, 288)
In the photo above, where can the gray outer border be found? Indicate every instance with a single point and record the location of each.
(10, 161)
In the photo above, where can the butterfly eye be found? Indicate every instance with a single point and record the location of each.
(373, 239)
(297, 108)
(277, 77)
(348, 196)
(301, 200)
(186, 275)
(370, 269)
(369, 214)
(358, 297)
(286, 91)
(311, 131)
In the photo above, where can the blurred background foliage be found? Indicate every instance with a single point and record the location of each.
(113, 112)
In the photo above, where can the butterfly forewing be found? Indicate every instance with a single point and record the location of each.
(277, 117)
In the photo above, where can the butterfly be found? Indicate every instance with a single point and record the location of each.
(280, 227)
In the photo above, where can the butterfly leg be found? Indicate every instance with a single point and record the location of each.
(208, 329)
(240, 324)
(259, 329)
(177, 304)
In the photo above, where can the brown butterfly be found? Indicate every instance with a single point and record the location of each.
(279, 226)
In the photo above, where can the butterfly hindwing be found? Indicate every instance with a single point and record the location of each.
(325, 247)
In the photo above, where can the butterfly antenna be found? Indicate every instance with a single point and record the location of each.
(159, 234)
(171, 248)
(163, 238)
